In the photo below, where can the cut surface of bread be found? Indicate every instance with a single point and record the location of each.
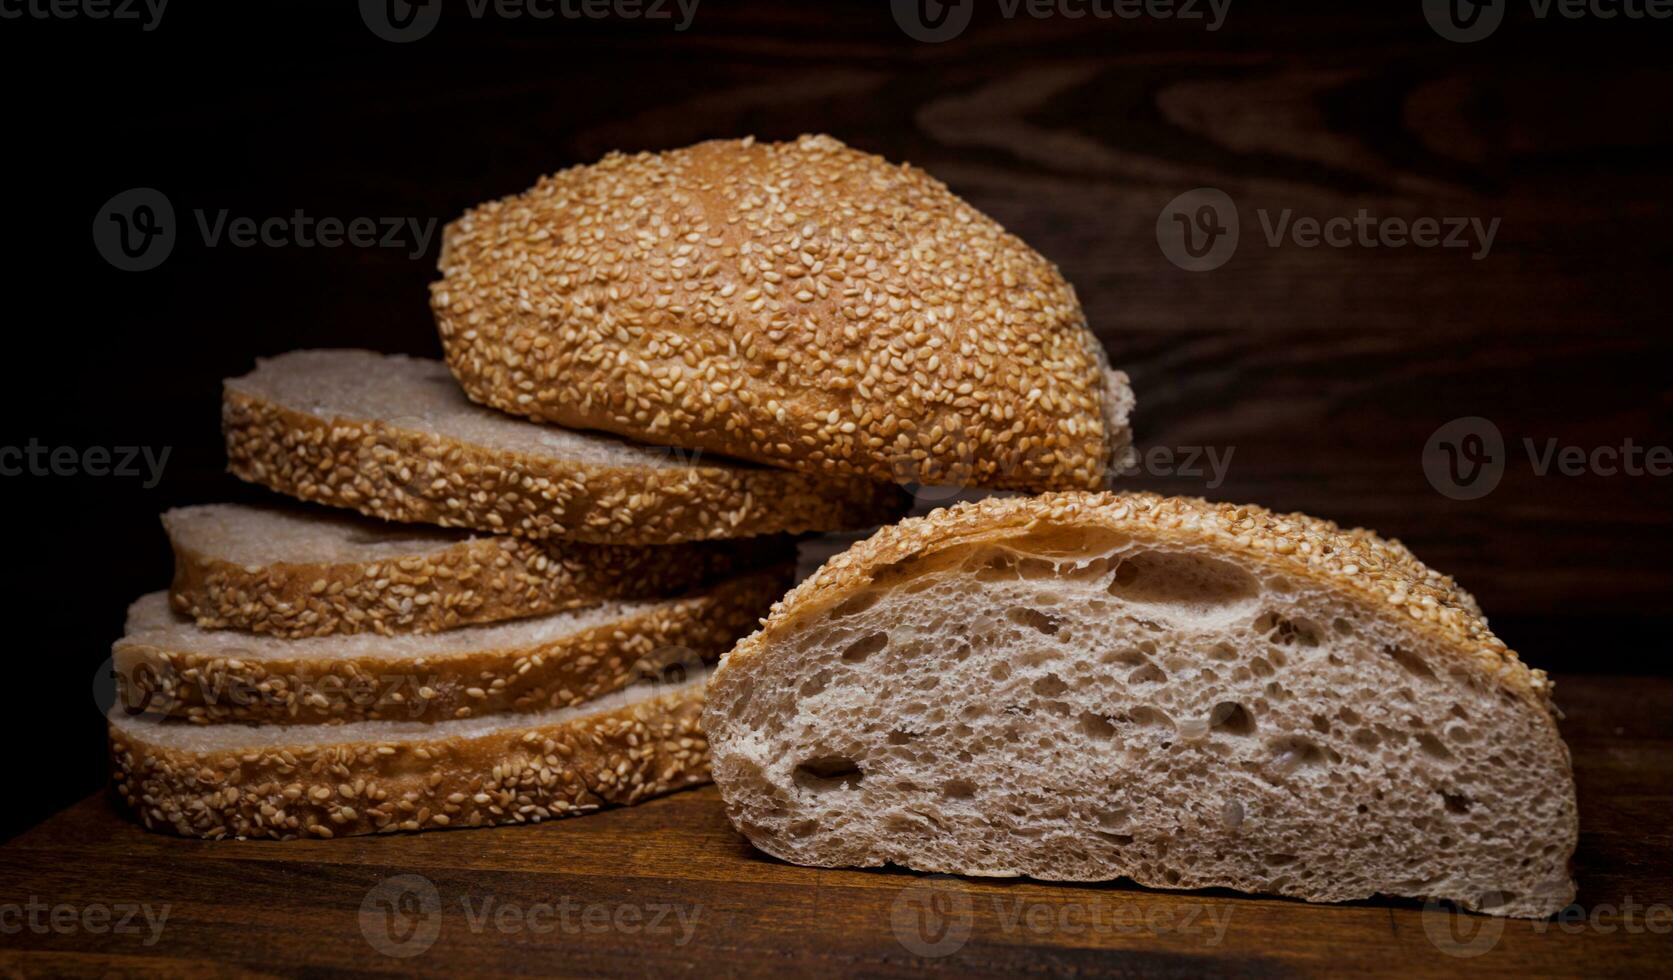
(167, 665)
(393, 437)
(284, 782)
(295, 573)
(1091, 686)
(802, 304)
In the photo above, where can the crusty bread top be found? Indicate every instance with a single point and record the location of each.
(802, 304)
(1382, 571)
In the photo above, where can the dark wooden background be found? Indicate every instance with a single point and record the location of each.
(1323, 370)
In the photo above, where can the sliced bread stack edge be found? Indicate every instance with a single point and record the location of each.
(516, 625)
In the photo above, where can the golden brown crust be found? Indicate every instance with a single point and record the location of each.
(478, 580)
(1381, 572)
(536, 676)
(404, 474)
(518, 775)
(801, 304)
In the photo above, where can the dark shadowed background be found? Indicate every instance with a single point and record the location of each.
(1323, 371)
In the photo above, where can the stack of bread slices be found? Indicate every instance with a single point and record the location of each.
(516, 626)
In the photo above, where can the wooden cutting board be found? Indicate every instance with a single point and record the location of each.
(667, 888)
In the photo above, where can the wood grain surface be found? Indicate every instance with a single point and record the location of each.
(669, 889)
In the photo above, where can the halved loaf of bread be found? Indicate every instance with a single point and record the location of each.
(166, 665)
(284, 782)
(803, 304)
(295, 573)
(1090, 686)
(393, 437)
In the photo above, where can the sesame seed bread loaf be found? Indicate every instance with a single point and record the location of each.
(295, 573)
(1089, 686)
(393, 437)
(217, 781)
(801, 304)
(166, 665)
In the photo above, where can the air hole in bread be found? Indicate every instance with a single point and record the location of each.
(1147, 674)
(828, 773)
(1286, 632)
(856, 604)
(1455, 802)
(1196, 585)
(1223, 651)
(813, 685)
(1096, 725)
(958, 789)
(1150, 717)
(1033, 619)
(1050, 686)
(1231, 718)
(865, 646)
(1433, 747)
(1410, 662)
(1294, 752)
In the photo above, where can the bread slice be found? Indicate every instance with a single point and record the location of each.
(166, 665)
(219, 781)
(801, 304)
(1082, 687)
(393, 437)
(294, 573)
